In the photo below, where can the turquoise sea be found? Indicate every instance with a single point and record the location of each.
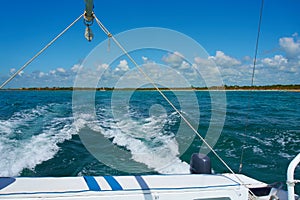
(39, 133)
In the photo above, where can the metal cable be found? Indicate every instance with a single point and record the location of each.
(39, 53)
(254, 64)
(250, 95)
(257, 40)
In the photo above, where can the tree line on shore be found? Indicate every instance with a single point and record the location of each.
(225, 87)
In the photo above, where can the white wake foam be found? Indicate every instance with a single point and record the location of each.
(147, 141)
(30, 137)
(18, 153)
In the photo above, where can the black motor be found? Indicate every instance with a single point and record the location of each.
(200, 164)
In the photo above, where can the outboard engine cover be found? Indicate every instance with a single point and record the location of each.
(200, 164)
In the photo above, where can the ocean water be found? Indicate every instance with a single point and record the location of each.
(41, 136)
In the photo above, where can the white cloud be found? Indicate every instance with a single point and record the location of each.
(61, 70)
(246, 58)
(13, 70)
(204, 61)
(289, 63)
(21, 73)
(208, 71)
(291, 46)
(122, 66)
(42, 74)
(102, 67)
(161, 75)
(295, 34)
(145, 59)
(76, 68)
(185, 65)
(278, 69)
(224, 60)
(277, 61)
(174, 59)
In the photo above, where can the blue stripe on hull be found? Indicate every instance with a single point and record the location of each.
(113, 183)
(142, 183)
(92, 183)
(6, 181)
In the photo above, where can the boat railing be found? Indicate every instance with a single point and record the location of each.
(290, 177)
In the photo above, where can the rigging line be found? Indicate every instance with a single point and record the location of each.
(252, 80)
(164, 96)
(40, 52)
(257, 40)
(254, 64)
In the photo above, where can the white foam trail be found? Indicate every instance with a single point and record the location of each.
(18, 154)
(147, 142)
(20, 118)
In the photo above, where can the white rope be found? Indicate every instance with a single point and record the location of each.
(163, 95)
(39, 53)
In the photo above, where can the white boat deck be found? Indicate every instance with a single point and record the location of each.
(190, 186)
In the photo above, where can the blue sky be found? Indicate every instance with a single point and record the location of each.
(226, 29)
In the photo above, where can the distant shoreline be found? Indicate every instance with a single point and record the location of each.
(290, 88)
